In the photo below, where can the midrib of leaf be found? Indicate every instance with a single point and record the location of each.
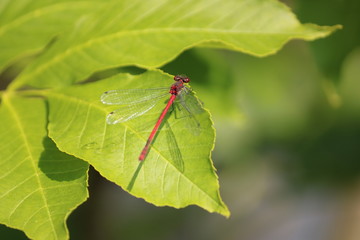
(86, 103)
(32, 160)
(77, 48)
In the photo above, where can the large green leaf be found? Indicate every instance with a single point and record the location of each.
(78, 126)
(151, 33)
(39, 185)
(37, 22)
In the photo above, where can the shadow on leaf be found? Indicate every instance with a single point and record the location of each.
(60, 166)
(134, 177)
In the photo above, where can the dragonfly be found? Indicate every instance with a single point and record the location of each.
(136, 102)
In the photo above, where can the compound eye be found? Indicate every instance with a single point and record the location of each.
(186, 79)
(182, 78)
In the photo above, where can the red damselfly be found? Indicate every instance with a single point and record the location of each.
(136, 102)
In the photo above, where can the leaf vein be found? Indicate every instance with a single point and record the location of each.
(33, 159)
(84, 125)
(15, 187)
(93, 41)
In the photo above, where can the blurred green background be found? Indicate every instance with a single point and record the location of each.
(287, 149)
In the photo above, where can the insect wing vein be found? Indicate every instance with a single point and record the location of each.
(130, 111)
(130, 96)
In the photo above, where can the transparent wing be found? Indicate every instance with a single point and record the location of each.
(130, 96)
(191, 103)
(176, 157)
(188, 106)
(130, 111)
(192, 124)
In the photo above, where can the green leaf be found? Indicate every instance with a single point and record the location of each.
(151, 33)
(78, 126)
(39, 185)
(38, 22)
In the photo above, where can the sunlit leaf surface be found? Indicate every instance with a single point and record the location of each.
(69, 41)
(39, 185)
(78, 126)
(152, 33)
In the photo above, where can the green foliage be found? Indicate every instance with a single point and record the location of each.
(42, 178)
(39, 185)
(76, 124)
